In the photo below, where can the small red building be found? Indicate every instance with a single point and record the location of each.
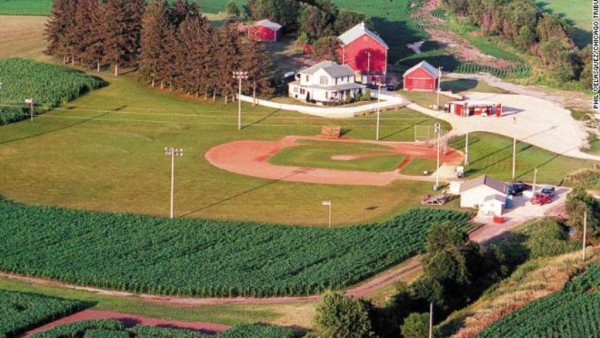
(365, 52)
(422, 77)
(469, 108)
(265, 30)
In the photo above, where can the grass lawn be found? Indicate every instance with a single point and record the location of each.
(319, 155)
(22, 36)
(594, 147)
(417, 166)
(492, 154)
(425, 99)
(468, 85)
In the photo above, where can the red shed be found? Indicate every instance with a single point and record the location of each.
(365, 52)
(422, 77)
(265, 30)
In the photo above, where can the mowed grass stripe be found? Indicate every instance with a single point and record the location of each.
(202, 257)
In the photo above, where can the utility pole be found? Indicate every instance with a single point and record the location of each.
(379, 84)
(514, 162)
(438, 130)
(368, 66)
(584, 232)
(29, 101)
(240, 75)
(430, 319)
(328, 204)
(467, 149)
(439, 89)
(173, 152)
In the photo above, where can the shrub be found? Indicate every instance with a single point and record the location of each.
(416, 325)
(340, 316)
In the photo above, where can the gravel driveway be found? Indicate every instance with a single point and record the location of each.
(539, 122)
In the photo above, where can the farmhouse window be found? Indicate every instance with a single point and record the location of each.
(295, 89)
(307, 78)
(323, 80)
(302, 91)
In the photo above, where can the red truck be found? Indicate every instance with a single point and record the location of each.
(541, 199)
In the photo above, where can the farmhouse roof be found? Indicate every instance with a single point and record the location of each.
(427, 67)
(330, 67)
(338, 87)
(358, 31)
(269, 24)
(483, 180)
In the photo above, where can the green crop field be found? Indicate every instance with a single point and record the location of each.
(203, 257)
(570, 312)
(492, 155)
(48, 86)
(319, 154)
(108, 328)
(22, 311)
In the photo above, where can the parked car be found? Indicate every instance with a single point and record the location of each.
(541, 199)
(548, 191)
(517, 188)
(392, 87)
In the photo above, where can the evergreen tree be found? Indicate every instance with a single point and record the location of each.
(58, 25)
(256, 61)
(122, 33)
(155, 27)
(229, 53)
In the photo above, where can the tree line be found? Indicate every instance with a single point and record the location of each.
(316, 22)
(172, 44)
(544, 35)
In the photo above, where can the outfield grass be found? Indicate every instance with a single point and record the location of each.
(469, 85)
(492, 155)
(319, 155)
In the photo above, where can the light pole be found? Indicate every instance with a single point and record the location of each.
(239, 75)
(328, 204)
(467, 149)
(439, 89)
(438, 130)
(514, 162)
(29, 101)
(379, 84)
(173, 152)
(430, 319)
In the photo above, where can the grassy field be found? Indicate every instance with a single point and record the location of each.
(319, 155)
(492, 154)
(417, 166)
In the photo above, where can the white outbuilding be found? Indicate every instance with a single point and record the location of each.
(483, 191)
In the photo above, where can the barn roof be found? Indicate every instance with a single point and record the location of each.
(427, 67)
(358, 31)
(330, 67)
(483, 180)
(269, 24)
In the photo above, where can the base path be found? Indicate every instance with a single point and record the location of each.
(132, 320)
(251, 158)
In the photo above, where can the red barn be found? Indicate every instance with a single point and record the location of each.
(365, 52)
(265, 30)
(422, 77)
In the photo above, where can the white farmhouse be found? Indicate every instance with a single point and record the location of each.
(326, 81)
(483, 192)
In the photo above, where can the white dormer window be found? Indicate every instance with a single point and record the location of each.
(323, 80)
(307, 78)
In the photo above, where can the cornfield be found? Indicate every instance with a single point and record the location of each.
(48, 86)
(571, 312)
(193, 257)
(20, 312)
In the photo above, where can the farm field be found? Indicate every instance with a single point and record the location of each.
(48, 85)
(23, 311)
(492, 155)
(145, 254)
(319, 155)
(570, 312)
(114, 328)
